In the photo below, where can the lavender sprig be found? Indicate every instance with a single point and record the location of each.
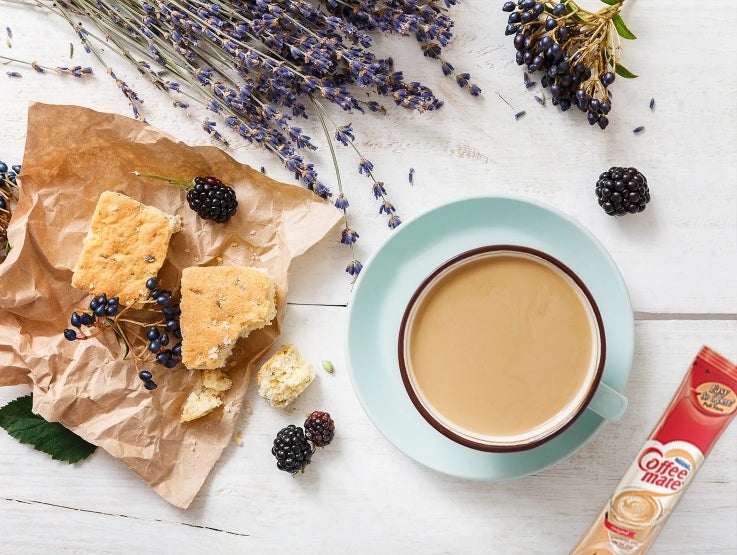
(255, 63)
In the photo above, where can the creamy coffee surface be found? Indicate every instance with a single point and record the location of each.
(501, 345)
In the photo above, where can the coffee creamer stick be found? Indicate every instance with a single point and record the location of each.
(702, 407)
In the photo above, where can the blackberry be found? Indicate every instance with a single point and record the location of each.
(208, 196)
(622, 191)
(292, 450)
(319, 428)
(212, 200)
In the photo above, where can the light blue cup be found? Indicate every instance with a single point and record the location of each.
(411, 253)
(591, 393)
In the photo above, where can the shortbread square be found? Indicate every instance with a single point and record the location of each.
(219, 305)
(125, 246)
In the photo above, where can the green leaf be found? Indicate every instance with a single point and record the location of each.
(611, 2)
(622, 71)
(621, 28)
(19, 420)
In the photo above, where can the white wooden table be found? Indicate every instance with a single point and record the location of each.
(363, 495)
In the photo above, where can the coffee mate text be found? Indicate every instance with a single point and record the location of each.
(658, 470)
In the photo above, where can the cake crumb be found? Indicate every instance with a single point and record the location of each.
(238, 438)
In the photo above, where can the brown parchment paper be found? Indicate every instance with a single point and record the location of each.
(72, 155)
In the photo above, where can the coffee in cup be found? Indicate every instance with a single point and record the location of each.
(502, 347)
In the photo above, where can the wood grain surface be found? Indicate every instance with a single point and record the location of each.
(362, 495)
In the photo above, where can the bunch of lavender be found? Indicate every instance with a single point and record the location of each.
(261, 65)
(577, 50)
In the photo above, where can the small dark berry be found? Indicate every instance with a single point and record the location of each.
(622, 190)
(172, 325)
(176, 350)
(70, 335)
(319, 428)
(154, 346)
(164, 339)
(171, 363)
(75, 320)
(145, 375)
(152, 333)
(101, 310)
(86, 319)
(150, 385)
(212, 199)
(608, 78)
(111, 310)
(152, 283)
(507, 7)
(292, 450)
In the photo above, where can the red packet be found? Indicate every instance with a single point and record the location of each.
(700, 411)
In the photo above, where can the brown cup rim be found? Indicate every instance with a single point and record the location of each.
(404, 372)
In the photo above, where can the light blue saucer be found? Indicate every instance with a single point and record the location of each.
(412, 252)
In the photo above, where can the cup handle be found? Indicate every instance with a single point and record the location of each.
(608, 403)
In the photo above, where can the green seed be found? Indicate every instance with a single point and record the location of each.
(328, 366)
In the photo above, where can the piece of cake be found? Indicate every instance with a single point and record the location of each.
(284, 377)
(200, 404)
(219, 305)
(216, 380)
(125, 246)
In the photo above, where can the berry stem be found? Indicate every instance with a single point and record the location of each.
(187, 185)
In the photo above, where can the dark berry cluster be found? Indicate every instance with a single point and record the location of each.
(319, 428)
(162, 334)
(7, 183)
(99, 307)
(105, 314)
(622, 191)
(212, 199)
(550, 40)
(8, 192)
(293, 446)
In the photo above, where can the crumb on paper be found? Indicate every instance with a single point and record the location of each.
(238, 438)
(246, 411)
